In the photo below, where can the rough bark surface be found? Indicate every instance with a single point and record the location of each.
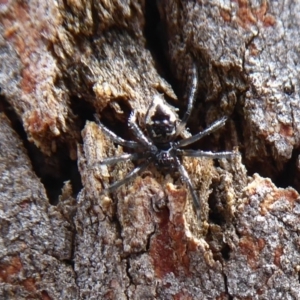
(63, 61)
(35, 237)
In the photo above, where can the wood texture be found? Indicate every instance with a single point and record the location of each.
(63, 61)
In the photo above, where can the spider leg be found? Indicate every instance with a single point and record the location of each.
(139, 133)
(130, 176)
(186, 178)
(191, 100)
(123, 157)
(213, 127)
(209, 154)
(116, 139)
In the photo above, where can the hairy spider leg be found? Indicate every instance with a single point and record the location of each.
(140, 136)
(130, 176)
(213, 127)
(123, 157)
(116, 139)
(191, 100)
(186, 178)
(209, 154)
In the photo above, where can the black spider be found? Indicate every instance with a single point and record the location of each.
(159, 145)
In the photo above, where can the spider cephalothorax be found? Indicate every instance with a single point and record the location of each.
(160, 146)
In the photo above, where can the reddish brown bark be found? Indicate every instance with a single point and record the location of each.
(63, 61)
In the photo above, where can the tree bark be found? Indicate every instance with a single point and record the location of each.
(62, 62)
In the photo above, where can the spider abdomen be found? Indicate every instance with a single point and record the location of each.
(160, 145)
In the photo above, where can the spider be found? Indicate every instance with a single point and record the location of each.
(159, 146)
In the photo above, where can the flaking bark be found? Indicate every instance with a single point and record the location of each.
(63, 61)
